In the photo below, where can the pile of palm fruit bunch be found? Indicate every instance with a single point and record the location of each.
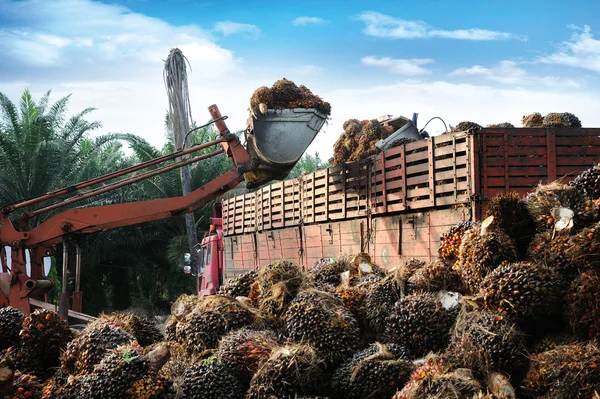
(358, 140)
(240, 285)
(552, 119)
(285, 94)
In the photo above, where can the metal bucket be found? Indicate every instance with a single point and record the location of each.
(407, 131)
(278, 140)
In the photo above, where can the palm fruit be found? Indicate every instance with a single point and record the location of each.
(291, 370)
(326, 273)
(551, 250)
(435, 276)
(240, 285)
(503, 125)
(171, 328)
(524, 292)
(565, 119)
(583, 248)
(286, 94)
(152, 387)
(458, 384)
(377, 371)
(450, 241)
(116, 373)
(179, 360)
(549, 203)
(25, 386)
(551, 342)
(482, 250)
(87, 350)
(588, 182)
(277, 284)
(484, 341)
(63, 386)
(569, 372)
(11, 321)
(533, 120)
(353, 299)
(583, 305)
(244, 350)
(464, 126)
(184, 305)
(141, 327)
(210, 379)
(321, 320)
(262, 95)
(427, 368)
(42, 339)
(352, 127)
(214, 317)
(342, 149)
(513, 216)
(421, 324)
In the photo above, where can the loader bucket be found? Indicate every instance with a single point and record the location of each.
(278, 139)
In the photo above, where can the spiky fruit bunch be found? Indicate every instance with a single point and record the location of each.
(141, 327)
(352, 127)
(285, 94)
(435, 276)
(291, 370)
(588, 182)
(116, 373)
(503, 125)
(343, 149)
(377, 371)
(547, 199)
(432, 365)
(421, 324)
(240, 285)
(323, 321)
(87, 350)
(551, 250)
(353, 298)
(533, 120)
(583, 248)
(564, 119)
(583, 305)
(480, 254)
(179, 360)
(458, 384)
(210, 320)
(464, 126)
(326, 273)
(277, 284)
(512, 215)
(42, 339)
(551, 342)
(524, 292)
(244, 350)
(25, 386)
(210, 378)
(171, 328)
(63, 386)
(152, 387)
(11, 321)
(569, 371)
(450, 241)
(379, 302)
(484, 341)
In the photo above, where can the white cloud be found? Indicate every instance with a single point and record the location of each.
(582, 51)
(381, 25)
(407, 67)
(228, 28)
(309, 21)
(507, 72)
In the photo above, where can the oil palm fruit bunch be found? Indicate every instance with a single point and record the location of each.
(435, 276)
(42, 339)
(25, 386)
(503, 125)
(420, 323)
(88, 349)
(63, 386)
(588, 182)
(323, 321)
(583, 249)
(564, 119)
(152, 386)
(464, 126)
(244, 350)
(512, 215)
(292, 370)
(171, 328)
(483, 249)
(450, 241)
(326, 273)
(560, 207)
(352, 127)
(179, 360)
(527, 293)
(377, 371)
(484, 341)
(551, 250)
(352, 296)
(430, 366)
(583, 305)
(210, 379)
(277, 284)
(240, 285)
(286, 94)
(459, 384)
(11, 321)
(379, 302)
(567, 372)
(343, 148)
(533, 120)
(214, 317)
(141, 327)
(551, 342)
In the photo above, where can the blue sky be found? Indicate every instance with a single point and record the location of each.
(489, 62)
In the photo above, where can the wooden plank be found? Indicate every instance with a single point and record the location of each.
(517, 161)
(578, 132)
(585, 162)
(431, 155)
(515, 182)
(568, 141)
(551, 149)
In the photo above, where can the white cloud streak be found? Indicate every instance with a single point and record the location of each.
(228, 28)
(406, 67)
(309, 21)
(582, 51)
(386, 26)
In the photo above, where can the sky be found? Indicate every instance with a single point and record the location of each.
(481, 61)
